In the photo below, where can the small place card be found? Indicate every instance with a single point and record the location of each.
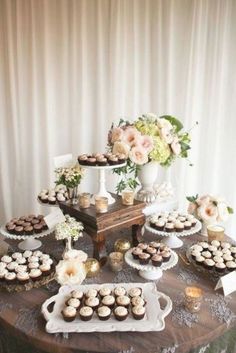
(54, 218)
(228, 282)
(64, 160)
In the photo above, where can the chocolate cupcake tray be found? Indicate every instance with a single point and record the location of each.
(152, 321)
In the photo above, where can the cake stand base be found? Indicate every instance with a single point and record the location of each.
(173, 242)
(151, 275)
(29, 244)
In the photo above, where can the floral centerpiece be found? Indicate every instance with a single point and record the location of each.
(209, 209)
(147, 139)
(71, 178)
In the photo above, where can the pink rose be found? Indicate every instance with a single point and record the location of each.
(146, 142)
(116, 134)
(208, 212)
(131, 136)
(175, 145)
(203, 200)
(138, 155)
(121, 148)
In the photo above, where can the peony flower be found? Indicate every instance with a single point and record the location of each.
(166, 135)
(116, 134)
(223, 213)
(203, 200)
(146, 142)
(175, 145)
(121, 148)
(130, 136)
(138, 155)
(70, 272)
(192, 207)
(208, 212)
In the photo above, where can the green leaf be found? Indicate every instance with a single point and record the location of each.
(192, 199)
(174, 121)
(230, 210)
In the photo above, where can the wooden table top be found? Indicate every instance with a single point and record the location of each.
(20, 312)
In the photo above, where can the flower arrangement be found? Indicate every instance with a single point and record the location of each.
(209, 209)
(149, 138)
(70, 229)
(70, 271)
(70, 176)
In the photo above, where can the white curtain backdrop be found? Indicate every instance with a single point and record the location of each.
(68, 68)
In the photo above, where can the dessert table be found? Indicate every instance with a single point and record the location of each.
(22, 327)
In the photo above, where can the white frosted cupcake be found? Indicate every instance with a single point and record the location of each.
(215, 243)
(123, 300)
(137, 301)
(33, 258)
(22, 277)
(220, 267)
(104, 291)
(104, 313)
(2, 265)
(21, 268)
(6, 259)
(35, 274)
(119, 291)
(69, 313)
(3, 272)
(16, 255)
(218, 259)
(12, 266)
(206, 254)
(138, 312)
(91, 293)
(135, 292)
(93, 302)
(86, 313)
(73, 302)
(120, 313)
(109, 301)
(228, 257)
(27, 254)
(231, 265)
(78, 294)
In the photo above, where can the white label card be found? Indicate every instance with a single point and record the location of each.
(228, 282)
(54, 218)
(64, 160)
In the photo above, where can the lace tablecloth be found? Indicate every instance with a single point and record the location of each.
(211, 330)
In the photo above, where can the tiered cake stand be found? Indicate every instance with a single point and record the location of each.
(148, 271)
(102, 181)
(30, 242)
(172, 239)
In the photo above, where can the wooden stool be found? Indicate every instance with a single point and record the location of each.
(99, 225)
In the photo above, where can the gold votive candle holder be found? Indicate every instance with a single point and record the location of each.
(122, 245)
(128, 198)
(215, 232)
(193, 299)
(101, 204)
(84, 200)
(116, 260)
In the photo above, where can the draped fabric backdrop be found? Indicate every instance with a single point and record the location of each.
(68, 68)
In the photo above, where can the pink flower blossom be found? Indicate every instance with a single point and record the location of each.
(131, 136)
(166, 135)
(146, 142)
(203, 200)
(208, 212)
(138, 155)
(121, 148)
(175, 145)
(116, 134)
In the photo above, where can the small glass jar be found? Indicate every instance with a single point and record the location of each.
(193, 299)
(116, 260)
(84, 200)
(101, 204)
(215, 232)
(128, 198)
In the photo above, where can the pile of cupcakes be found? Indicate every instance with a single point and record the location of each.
(153, 253)
(101, 159)
(172, 221)
(105, 303)
(219, 256)
(26, 225)
(53, 195)
(22, 268)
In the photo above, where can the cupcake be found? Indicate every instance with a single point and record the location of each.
(10, 277)
(2, 265)
(45, 268)
(231, 265)
(233, 251)
(119, 291)
(179, 226)
(169, 227)
(121, 158)
(215, 243)
(138, 312)
(159, 225)
(220, 267)
(136, 252)
(83, 159)
(75, 303)
(33, 258)
(21, 268)
(78, 294)
(104, 313)
(22, 277)
(43, 257)
(37, 253)
(91, 293)
(38, 228)
(104, 291)
(155, 245)
(227, 257)
(91, 161)
(51, 200)
(27, 253)
(194, 222)
(217, 253)
(102, 161)
(156, 260)
(166, 255)
(12, 266)
(19, 222)
(35, 274)
(69, 313)
(92, 302)
(212, 248)
(113, 160)
(121, 313)
(204, 245)
(209, 264)
(218, 259)
(171, 219)
(138, 301)
(197, 247)
(187, 225)
(21, 261)
(6, 259)
(226, 251)
(225, 245)
(123, 300)
(33, 265)
(11, 228)
(144, 258)
(135, 292)
(200, 260)
(109, 301)
(3, 272)
(150, 250)
(16, 255)
(206, 254)
(19, 230)
(86, 313)
(182, 218)
(143, 246)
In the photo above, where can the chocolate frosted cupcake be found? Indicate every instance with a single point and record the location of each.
(144, 258)
(69, 313)
(19, 230)
(142, 246)
(83, 159)
(138, 312)
(136, 252)
(157, 260)
(86, 313)
(104, 313)
(102, 161)
(91, 161)
(166, 256)
(11, 228)
(38, 228)
(150, 250)
(121, 313)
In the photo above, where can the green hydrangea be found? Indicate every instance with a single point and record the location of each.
(149, 128)
(161, 151)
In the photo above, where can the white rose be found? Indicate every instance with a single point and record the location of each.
(71, 271)
(175, 145)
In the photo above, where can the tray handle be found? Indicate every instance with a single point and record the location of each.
(44, 308)
(168, 306)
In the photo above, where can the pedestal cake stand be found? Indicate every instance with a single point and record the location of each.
(172, 239)
(102, 180)
(29, 242)
(148, 271)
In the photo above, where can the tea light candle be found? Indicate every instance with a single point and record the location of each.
(127, 198)
(101, 204)
(215, 232)
(116, 260)
(193, 299)
(84, 200)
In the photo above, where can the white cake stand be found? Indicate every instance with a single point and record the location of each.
(148, 271)
(172, 239)
(102, 181)
(30, 242)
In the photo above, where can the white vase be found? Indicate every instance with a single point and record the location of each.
(147, 176)
(204, 227)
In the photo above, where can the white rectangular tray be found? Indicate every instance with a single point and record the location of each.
(153, 320)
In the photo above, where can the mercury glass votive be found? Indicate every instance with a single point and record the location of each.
(116, 260)
(193, 299)
(215, 232)
(128, 198)
(84, 200)
(101, 204)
